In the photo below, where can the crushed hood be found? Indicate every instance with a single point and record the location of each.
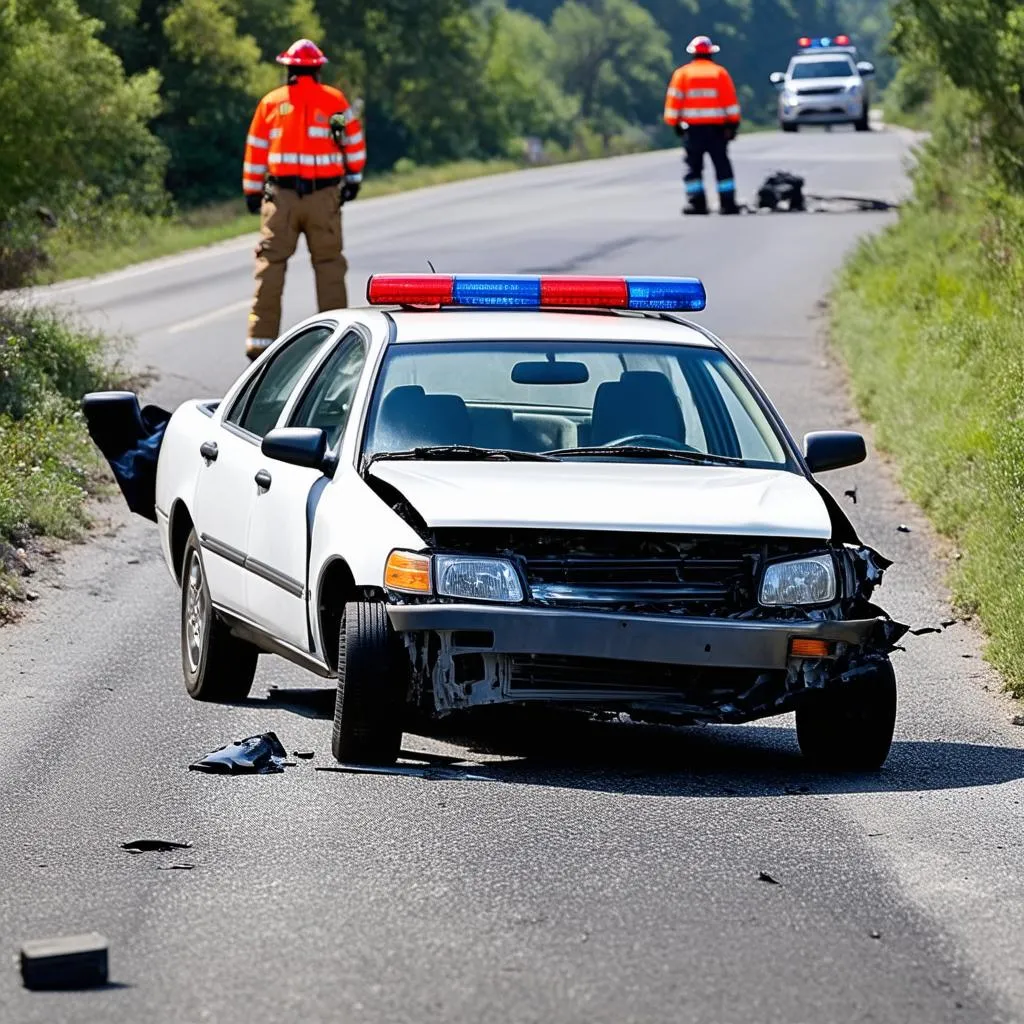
(610, 496)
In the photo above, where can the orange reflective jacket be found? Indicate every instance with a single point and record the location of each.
(701, 92)
(290, 135)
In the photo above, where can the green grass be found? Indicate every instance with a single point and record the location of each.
(930, 318)
(48, 465)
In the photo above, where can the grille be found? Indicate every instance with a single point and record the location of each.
(821, 90)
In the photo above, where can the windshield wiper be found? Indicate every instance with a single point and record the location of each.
(635, 451)
(459, 452)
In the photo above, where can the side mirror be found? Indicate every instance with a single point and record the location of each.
(866, 68)
(777, 78)
(833, 449)
(298, 446)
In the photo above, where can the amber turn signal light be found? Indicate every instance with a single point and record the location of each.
(407, 571)
(804, 647)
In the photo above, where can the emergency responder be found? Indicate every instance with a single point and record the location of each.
(304, 158)
(701, 105)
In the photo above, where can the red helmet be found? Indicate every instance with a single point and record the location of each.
(303, 53)
(701, 46)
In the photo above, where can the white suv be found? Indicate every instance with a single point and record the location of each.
(824, 86)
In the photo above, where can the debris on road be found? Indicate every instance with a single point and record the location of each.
(415, 771)
(851, 494)
(255, 755)
(925, 629)
(763, 876)
(69, 962)
(175, 867)
(1018, 720)
(875, 934)
(903, 528)
(154, 846)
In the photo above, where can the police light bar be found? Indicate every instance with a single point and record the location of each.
(822, 42)
(521, 291)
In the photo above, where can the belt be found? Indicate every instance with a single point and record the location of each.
(303, 186)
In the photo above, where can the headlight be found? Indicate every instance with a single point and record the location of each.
(477, 579)
(853, 87)
(805, 581)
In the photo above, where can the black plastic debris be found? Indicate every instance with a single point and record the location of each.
(781, 189)
(924, 629)
(306, 755)
(1017, 720)
(255, 755)
(903, 528)
(69, 962)
(154, 846)
(946, 623)
(763, 876)
(851, 494)
(875, 934)
(175, 867)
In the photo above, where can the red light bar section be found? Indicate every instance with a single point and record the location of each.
(803, 41)
(410, 289)
(842, 40)
(606, 292)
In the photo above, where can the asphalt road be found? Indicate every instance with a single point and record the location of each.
(599, 874)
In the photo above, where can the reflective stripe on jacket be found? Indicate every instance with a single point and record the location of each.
(290, 135)
(701, 92)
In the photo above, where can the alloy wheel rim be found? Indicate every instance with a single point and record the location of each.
(195, 612)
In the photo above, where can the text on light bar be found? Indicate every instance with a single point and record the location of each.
(522, 291)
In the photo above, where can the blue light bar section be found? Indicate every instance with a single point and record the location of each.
(508, 292)
(676, 294)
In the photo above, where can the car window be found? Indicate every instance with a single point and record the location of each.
(822, 69)
(328, 400)
(259, 405)
(538, 396)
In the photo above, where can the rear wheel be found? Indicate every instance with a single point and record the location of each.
(217, 666)
(371, 687)
(863, 123)
(849, 726)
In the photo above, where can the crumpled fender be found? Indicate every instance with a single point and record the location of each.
(129, 436)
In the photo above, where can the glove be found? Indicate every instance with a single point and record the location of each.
(730, 132)
(680, 129)
(349, 191)
(253, 201)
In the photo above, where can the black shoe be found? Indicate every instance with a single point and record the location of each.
(727, 205)
(695, 209)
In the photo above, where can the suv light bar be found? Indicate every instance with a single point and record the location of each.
(519, 291)
(822, 42)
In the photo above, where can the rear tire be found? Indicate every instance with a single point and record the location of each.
(217, 666)
(863, 123)
(371, 688)
(848, 727)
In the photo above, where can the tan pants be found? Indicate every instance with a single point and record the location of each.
(283, 218)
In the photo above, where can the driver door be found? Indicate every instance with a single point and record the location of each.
(278, 588)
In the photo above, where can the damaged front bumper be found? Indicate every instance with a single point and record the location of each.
(706, 668)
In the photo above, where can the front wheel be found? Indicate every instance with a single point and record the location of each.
(217, 666)
(371, 687)
(787, 127)
(863, 123)
(848, 726)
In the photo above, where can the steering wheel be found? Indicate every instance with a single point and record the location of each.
(650, 441)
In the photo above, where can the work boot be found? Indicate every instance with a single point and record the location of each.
(727, 203)
(255, 347)
(695, 205)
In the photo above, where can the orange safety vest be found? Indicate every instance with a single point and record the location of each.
(701, 92)
(290, 136)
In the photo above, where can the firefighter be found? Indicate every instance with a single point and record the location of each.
(304, 158)
(702, 107)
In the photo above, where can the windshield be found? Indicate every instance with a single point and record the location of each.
(626, 400)
(821, 69)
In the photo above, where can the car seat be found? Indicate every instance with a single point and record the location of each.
(639, 402)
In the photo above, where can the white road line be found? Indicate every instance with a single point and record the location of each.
(216, 314)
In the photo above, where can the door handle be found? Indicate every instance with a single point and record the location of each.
(262, 479)
(208, 450)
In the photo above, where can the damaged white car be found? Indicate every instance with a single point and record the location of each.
(499, 490)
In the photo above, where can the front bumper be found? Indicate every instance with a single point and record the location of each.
(664, 639)
(835, 109)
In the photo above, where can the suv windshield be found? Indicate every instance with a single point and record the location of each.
(822, 69)
(627, 400)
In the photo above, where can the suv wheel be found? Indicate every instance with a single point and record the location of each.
(849, 726)
(217, 666)
(786, 126)
(371, 691)
(863, 123)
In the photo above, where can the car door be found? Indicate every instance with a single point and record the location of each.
(231, 458)
(280, 526)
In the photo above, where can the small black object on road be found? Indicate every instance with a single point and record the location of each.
(763, 876)
(255, 755)
(154, 846)
(68, 962)
(903, 528)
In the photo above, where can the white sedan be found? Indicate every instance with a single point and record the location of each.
(500, 490)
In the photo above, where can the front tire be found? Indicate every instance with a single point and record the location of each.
(848, 727)
(371, 688)
(863, 123)
(786, 126)
(217, 666)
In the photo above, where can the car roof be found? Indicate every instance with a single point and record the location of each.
(525, 325)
